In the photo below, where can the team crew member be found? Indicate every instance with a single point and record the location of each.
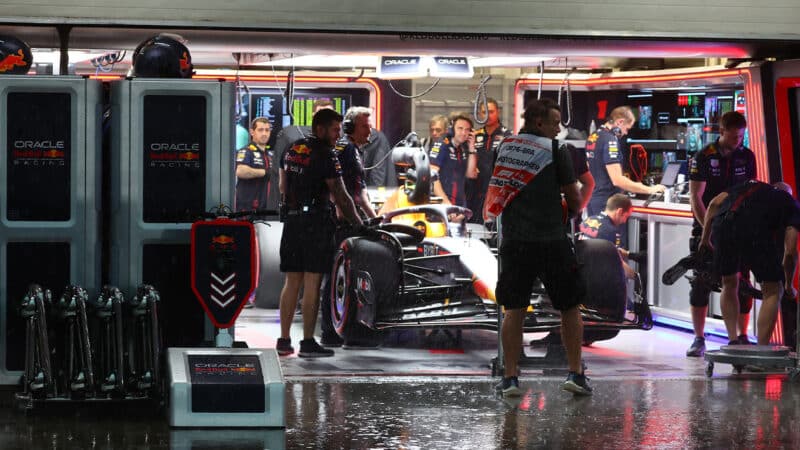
(356, 129)
(449, 159)
(753, 224)
(531, 173)
(582, 173)
(608, 226)
(437, 127)
(252, 168)
(718, 166)
(479, 169)
(605, 161)
(291, 134)
(310, 174)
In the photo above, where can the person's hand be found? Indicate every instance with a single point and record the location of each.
(656, 188)
(471, 140)
(455, 217)
(789, 291)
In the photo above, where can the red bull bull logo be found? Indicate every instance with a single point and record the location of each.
(189, 156)
(301, 149)
(184, 61)
(13, 60)
(222, 239)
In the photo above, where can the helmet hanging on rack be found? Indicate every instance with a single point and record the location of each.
(15, 56)
(162, 56)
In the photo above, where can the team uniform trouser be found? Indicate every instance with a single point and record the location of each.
(553, 262)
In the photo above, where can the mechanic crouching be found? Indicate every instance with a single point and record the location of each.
(608, 226)
(309, 175)
(755, 225)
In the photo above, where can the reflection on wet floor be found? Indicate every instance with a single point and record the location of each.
(414, 393)
(460, 413)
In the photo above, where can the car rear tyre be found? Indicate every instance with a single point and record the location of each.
(344, 305)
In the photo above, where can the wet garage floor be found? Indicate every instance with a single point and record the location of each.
(436, 393)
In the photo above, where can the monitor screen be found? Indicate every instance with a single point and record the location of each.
(645, 119)
(671, 172)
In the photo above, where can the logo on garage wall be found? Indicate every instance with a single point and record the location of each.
(168, 154)
(39, 153)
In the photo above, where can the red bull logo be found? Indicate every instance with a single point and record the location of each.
(13, 60)
(301, 149)
(222, 239)
(189, 156)
(184, 61)
(53, 154)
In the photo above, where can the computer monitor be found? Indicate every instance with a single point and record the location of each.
(670, 177)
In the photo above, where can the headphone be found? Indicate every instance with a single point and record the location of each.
(617, 131)
(348, 126)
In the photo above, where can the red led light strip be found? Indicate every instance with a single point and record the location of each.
(785, 128)
(662, 212)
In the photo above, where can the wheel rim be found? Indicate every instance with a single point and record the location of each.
(340, 293)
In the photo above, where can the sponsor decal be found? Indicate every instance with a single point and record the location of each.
(171, 154)
(13, 60)
(42, 153)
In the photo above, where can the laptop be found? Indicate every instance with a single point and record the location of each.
(670, 176)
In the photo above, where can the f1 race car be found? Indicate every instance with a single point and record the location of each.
(418, 269)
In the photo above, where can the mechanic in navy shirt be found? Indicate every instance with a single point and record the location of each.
(479, 169)
(252, 168)
(356, 128)
(310, 175)
(608, 226)
(718, 166)
(347, 150)
(755, 225)
(449, 159)
(605, 161)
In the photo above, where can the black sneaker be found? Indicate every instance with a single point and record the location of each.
(578, 384)
(331, 340)
(509, 387)
(310, 349)
(698, 347)
(744, 340)
(284, 347)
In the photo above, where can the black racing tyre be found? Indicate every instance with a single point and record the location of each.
(270, 278)
(344, 305)
(605, 285)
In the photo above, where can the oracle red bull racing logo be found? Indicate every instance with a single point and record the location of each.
(13, 60)
(182, 154)
(41, 153)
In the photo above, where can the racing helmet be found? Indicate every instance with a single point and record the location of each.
(15, 56)
(162, 56)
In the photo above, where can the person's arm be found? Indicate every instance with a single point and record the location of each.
(365, 205)
(626, 184)
(282, 181)
(711, 212)
(572, 194)
(587, 186)
(472, 165)
(790, 260)
(438, 190)
(343, 200)
(696, 190)
(245, 172)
